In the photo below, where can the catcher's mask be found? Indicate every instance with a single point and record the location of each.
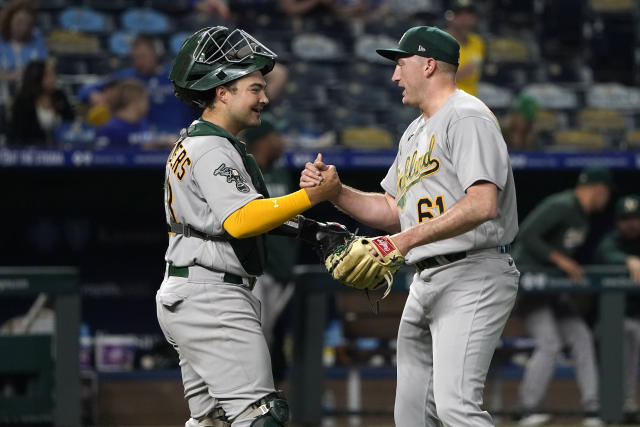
(214, 56)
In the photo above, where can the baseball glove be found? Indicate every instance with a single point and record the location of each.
(354, 265)
(323, 237)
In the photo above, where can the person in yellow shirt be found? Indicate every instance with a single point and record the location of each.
(462, 19)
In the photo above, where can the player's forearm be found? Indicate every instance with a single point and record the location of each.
(464, 216)
(372, 209)
(261, 215)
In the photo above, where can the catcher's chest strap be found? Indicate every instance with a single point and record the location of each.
(188, 231)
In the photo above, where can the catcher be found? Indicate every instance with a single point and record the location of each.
(450, 200)
(218, 209)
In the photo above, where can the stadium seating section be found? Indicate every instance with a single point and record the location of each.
(340, 92)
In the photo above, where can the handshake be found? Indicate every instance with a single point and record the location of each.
(320, 181)
(360, 262)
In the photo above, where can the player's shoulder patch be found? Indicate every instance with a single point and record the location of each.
(233, 176)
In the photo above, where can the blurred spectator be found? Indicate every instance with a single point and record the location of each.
(517, 126)
(20, 42)
(128, 127)
(549, 236)
(274, 288)
(102, 103)
(622, 247)
(166, 113)
(218, 8)
(39, 106)
(462, 20)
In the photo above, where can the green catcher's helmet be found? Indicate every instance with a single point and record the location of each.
(214, 56)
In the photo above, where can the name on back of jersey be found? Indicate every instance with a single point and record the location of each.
(179, 160)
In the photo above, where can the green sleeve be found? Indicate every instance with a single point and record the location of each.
(610, 252)
(548, 215)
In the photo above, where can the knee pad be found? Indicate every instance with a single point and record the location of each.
(274, 412)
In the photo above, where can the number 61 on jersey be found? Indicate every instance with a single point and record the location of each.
(427, 209)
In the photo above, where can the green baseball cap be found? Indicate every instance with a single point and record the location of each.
(595, 175)
(429, 42)
(628, 206)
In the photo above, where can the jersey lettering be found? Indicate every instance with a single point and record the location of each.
(415, 169)
(426, 207)
(179, 164)
(170, 202)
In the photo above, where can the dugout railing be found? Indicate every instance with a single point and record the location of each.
(48, 364)
(608, 283)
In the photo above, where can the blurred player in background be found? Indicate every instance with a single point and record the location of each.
(622, 247)
(275, 287)
(549, 237)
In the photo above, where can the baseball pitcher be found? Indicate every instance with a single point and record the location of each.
(450, 207)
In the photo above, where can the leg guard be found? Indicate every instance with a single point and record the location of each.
(271, 411)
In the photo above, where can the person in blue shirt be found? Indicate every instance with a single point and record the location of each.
(167, 115)
(128, 127)
(20, 43)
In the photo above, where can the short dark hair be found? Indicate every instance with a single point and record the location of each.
(10, 9)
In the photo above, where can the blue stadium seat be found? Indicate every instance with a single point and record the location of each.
(83, 19)
(365, 47)
(145, 20)
(176, 40)
(120, 43)
(553, 97)
(614, 96)
(317, 47)
(496, 97)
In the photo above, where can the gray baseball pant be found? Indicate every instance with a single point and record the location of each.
(215, 328)
(550, 334)
(450, 326)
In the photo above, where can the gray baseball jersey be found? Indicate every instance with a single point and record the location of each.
(438, 159)
(206, 182)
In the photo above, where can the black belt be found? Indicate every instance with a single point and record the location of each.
(227, 278)
(440, 260)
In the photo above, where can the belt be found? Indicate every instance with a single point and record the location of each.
(227, 278)
(440, 260)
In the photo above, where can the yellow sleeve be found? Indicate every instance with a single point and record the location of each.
(262, 215)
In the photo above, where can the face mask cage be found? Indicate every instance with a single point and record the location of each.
(236, 47)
